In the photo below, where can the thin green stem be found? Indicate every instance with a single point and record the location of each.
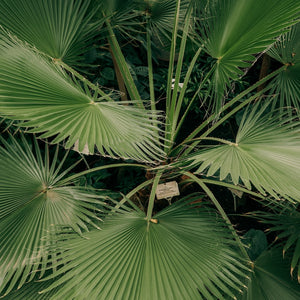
(220, 209)
(204, 138)
(233, 101)
(172, 55)
(233, 111)
(192, 100)
(150, 69)
(227, 116)
(217, 140)
(75, 176)
(180, 59)
(176, 102)
(232, 186)
(170, 75)
(127, 197)
(122, 64)
(152, 195)
(83, 79)
(139, 187)
(150, 74)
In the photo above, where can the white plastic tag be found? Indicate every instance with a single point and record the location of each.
(167, 190)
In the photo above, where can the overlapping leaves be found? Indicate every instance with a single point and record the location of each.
(60, 29)
(264, 154)
(286, 86)
(233, 31)
(31, 204)
(270, 279)
(40, 93)
(31, 291)
(185, 253)
(161, 18)
(287, 225)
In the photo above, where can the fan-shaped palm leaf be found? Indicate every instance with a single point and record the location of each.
(184, 253)
(286, 86)
(161, 17)
(161, 14)
(30, 203)
(41, 94)
(270, 279)
(265, 153)
(58, 28)
(123, 15)
(235, 30)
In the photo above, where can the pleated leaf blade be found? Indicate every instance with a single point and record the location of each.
(60, 29)
(31, 291)
(31, 206)
(234, 31)
(265, 155)
(187, 253)
(287, 226)
(41, 94)
(286, 85)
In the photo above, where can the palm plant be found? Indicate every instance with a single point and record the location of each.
(284, 51)
(61, 240)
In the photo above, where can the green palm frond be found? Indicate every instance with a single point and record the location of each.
(265, 153)
(270, 280)
(30, 291)
(124, 16)
(233, 31)
(287, 225)
(184, 253)
(160, 17)
(30, 205)
(60, 29)
(112, 7)
(41, 94)
(286, 86)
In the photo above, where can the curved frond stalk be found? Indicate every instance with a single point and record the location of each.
(31, 206)
(286, 86)
(264, 154)
(123, 66)
(41, 94)
(233, 31)
(152, 195)
(186, 253)
(216, 203)
(60, 29)
(173, 111)
(270, 279)
(234, 110)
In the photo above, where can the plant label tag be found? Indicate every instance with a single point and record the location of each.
(167, 190)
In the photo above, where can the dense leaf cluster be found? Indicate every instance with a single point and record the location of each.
(135, 94)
